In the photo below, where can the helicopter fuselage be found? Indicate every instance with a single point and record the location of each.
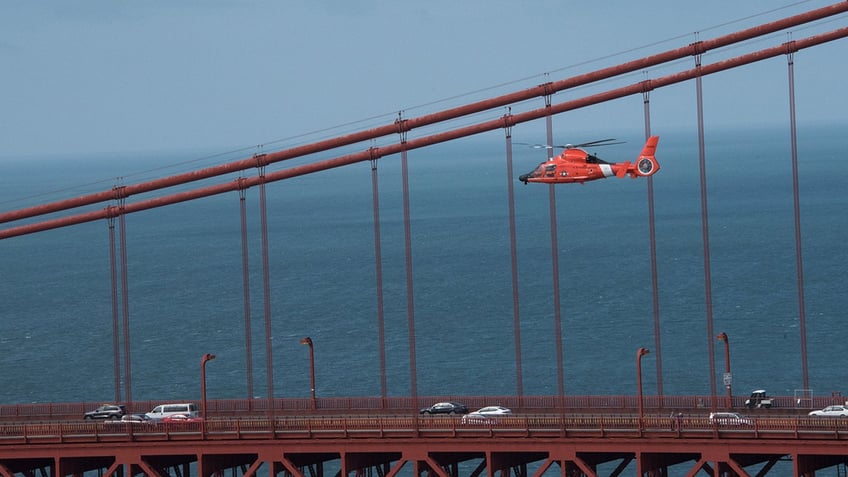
(577, 165)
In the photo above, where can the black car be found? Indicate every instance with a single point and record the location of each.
(106, 411)
(445, 408)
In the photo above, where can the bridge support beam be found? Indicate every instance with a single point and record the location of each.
(807, 465)
(585, 457)
(718, 465)
(568, 466)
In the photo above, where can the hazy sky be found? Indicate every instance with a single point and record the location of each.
(152, 75)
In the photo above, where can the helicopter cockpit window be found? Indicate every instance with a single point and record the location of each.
(550, 168)
(593, 159)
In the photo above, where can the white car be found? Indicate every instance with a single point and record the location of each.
(485, 415)
(730, 419)
(831, 411)
(493, 411)
(164, 410)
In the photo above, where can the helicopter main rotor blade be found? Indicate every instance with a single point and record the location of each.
(536, 146)
(599, 142)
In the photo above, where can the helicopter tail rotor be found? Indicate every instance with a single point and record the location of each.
(647, 164)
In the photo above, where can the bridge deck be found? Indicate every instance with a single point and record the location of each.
(304, 445)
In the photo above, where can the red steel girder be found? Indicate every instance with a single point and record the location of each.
(250, 453)
(401, 126)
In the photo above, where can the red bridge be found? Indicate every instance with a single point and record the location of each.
(572, 435)
(388, 437)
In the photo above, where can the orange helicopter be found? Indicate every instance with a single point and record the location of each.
(576, 165)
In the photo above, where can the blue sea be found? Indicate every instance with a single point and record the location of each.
(186, 294)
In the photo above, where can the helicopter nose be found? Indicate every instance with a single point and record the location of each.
(523, 178)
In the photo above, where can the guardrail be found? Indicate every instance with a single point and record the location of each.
(424, 427)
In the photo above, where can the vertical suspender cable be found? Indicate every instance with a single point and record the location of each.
(646, 99)
(705, 231)
(266, 285)
(245, 274)
(116, 347)
(122, 221)
(513, 255)
(555, 262)
(407, 233)
(378, 269)
(799, 263)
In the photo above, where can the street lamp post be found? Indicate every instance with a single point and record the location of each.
(641, 352)
(728, 378)
(308, 342)
(206, 358)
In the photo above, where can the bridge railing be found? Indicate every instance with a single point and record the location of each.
(423, 427)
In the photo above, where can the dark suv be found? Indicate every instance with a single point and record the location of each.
(106, 411)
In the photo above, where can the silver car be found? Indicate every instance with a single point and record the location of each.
(485, 415)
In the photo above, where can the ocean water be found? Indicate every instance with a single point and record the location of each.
(186, 295)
